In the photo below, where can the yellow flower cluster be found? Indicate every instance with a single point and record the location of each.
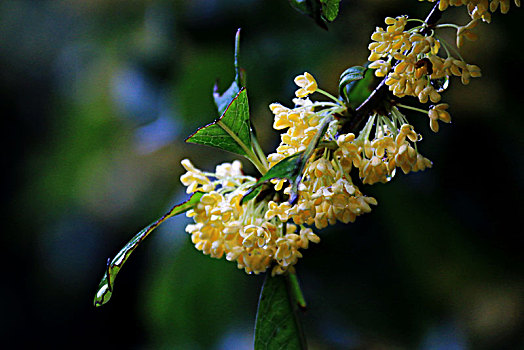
(327, 195)
(478, 9)
(271, 231)
(417, 62)
(301, 122)
(378, 159)
(253, 235)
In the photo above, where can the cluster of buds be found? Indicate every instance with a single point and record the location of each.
(478, 9)
(410, 62)
(255, 235)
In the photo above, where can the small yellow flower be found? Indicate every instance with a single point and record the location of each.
(373, 171)
(381, 67)
(422, 163)
(307, 85)
(406, 158)
(280, 210)
(195, 177)
(436, 113)
(466, 32)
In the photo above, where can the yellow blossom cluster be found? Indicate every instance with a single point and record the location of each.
(255, 235)
(376, 159)
(271, 231)
(409, 60)
(301, 122)
(327, 195)
(478, 9)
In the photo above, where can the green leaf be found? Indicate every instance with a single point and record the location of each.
(105, 288)
(231, 132)
(311, 8)
(287, 168)
(277, 324)
(330, 9)
(356, 84)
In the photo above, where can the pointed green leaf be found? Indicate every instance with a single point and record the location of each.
(356, 84)
(105, 288)
(277, 324)
(330, 9)
(231, 132)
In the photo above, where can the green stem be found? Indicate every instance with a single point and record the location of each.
(327, 94)
(296, 291)
(447, 25)
(296, 298)
(448, 46)
(412, 108)
(260, 154)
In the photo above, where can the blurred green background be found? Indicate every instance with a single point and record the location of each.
(98, 97)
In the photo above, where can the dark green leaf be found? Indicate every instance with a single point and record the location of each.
(356, 84)
(230, 132)
(105, 288)
(277, 325)
(330, 9)
(287, 168)
(311, 8)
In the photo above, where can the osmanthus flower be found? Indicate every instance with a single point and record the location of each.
(436, 113)
(255, 235)
(409, 60)
(302, 122)
(307, 183)
(307, 84)
(466, 32)
(479, 9)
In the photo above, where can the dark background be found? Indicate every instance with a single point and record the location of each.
(97, 98)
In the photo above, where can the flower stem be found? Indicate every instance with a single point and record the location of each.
(412, 108)
(296, 298)
(327, 94)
